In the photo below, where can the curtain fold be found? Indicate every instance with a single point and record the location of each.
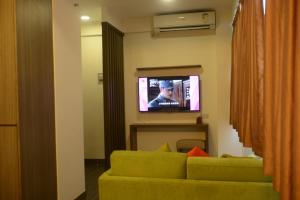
(282, 91)
(247, 74)
(265, 88)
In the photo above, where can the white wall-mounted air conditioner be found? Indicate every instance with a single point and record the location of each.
(184, 21)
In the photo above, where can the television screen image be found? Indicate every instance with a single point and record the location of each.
(167, 94)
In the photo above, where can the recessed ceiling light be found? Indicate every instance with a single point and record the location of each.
(85, 18)
(181, 17)
(167, 1)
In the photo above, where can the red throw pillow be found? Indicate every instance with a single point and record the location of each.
(196, 151)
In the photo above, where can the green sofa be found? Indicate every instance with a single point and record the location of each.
(138, 175)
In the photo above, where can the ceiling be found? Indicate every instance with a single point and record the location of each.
(125, 9)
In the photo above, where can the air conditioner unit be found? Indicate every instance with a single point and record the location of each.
(184, 21)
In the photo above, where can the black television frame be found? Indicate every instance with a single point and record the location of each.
(170, 110)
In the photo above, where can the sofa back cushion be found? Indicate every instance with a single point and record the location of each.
(148, 164)
(226, 169)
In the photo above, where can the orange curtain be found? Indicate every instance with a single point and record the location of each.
(282, 96)
(246, 114)
(265, 88)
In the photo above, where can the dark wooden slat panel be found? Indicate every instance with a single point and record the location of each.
(36, 99)
(8, 77)
(10, 187)
(113, 85)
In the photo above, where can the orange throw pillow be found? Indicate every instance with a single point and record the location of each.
(196, 151)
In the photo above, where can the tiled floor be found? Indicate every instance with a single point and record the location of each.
(93, 169)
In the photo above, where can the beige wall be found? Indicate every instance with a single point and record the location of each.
(68, 100)
(212, 51)
(141, 50)
(91, 44)
(107, 16)
(227, 137)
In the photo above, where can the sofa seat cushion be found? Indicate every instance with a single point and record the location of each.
(226, 169)
(139, 188)
(148, 164)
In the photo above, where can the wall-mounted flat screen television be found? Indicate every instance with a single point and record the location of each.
(169, 94)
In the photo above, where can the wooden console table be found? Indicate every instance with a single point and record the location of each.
(181, 126)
